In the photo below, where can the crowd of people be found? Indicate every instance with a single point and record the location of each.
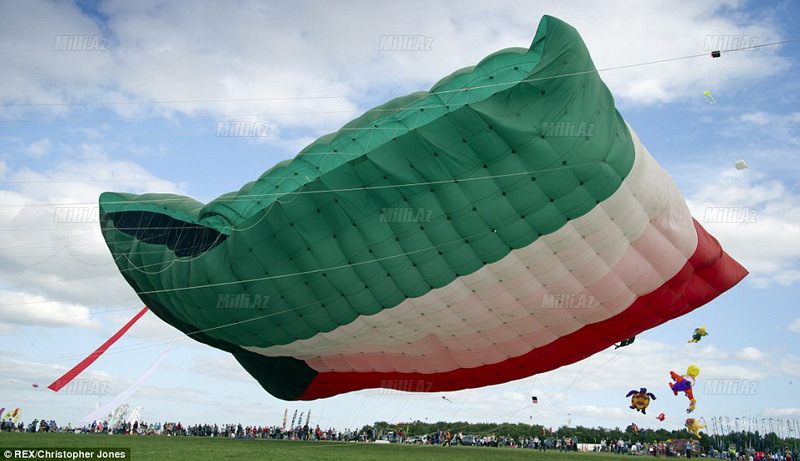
(198, 430)
(441, 437)
(304, 432)
(686, 448)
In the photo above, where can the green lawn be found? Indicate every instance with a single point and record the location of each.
(194, 448)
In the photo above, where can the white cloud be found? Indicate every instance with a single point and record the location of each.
(765, 118)
(782, 412)
(594, 410)
(727, 370)
(52, 247)
(794, 326)
(709, 351)
(222, 367)
(781, 128)
(26, 309)
(751, 354)
(789, 365)
(253, 52)
(39, 148)
(756, 220)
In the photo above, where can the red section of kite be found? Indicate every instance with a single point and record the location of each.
(71, 374)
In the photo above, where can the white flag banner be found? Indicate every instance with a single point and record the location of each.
(124, 395)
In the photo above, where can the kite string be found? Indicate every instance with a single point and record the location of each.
(577, 380)
(296, 98)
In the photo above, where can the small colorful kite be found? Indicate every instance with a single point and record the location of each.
(698, 335)
(685, 384)
(13, 414)
(694, 426)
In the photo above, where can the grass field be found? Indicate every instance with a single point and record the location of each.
(202, 448)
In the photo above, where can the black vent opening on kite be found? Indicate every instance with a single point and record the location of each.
(184, 238)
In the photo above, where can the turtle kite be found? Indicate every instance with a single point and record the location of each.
(640, 399)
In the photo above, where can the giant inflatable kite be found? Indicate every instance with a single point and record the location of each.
(505, 223)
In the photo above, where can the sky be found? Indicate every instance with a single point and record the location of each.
(137, 107)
